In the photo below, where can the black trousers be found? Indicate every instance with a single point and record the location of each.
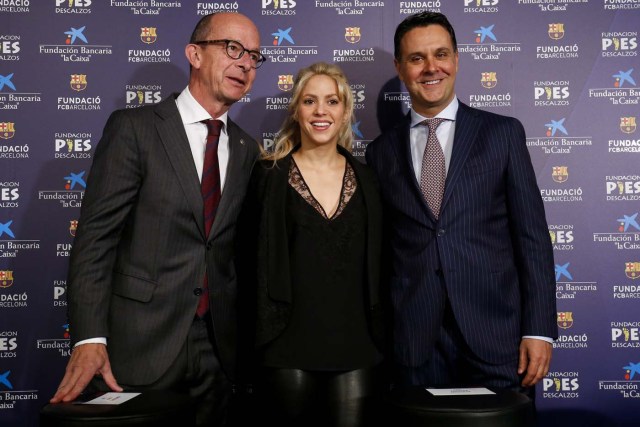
(196, 372)
(295, 397)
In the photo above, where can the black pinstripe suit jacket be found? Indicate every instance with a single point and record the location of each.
(140, 250)
(489, 252)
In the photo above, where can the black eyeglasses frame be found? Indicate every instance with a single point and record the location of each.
(255, 63)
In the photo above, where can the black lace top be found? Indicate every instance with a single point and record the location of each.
(328, 328)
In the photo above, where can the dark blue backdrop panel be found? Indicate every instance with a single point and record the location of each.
(568, 69)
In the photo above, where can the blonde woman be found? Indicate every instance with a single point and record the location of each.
(309, 264)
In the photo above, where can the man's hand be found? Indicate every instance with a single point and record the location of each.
(535, 357)
(86, 361)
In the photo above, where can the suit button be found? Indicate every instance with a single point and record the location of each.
(197, 292)
(209, 246)
(441, 232)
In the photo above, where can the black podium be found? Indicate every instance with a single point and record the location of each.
(150, 408)
(416, 407)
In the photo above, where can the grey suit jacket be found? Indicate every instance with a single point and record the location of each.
(140, 250)
(489, 253)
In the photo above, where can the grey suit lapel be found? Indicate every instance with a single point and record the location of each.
(236, 168)
(175, 142)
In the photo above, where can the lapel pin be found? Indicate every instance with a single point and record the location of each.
(242, 142)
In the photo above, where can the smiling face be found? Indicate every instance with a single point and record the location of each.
(217, 81)
(320, 112)
(427, 66)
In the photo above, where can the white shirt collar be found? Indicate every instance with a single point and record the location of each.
(449, 113)
(192, 112)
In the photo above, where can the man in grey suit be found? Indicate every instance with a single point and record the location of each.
(141, 259)
(473, 287)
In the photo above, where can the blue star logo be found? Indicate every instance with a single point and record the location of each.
(485, 32)
(6, 81)
(281, 35)
(633, 368)
(356, 130)
(562, 270)
(629, 221)
(75, 33)
(557, 125)
(624, 76)
(75, 178)
(4, 229)
(4, 379)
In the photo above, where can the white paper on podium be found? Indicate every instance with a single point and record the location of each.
(458, 391)
(111, 398)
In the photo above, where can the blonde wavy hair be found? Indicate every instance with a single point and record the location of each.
(289, 134)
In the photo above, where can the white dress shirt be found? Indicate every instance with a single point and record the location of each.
(419, 134)
(192, 114)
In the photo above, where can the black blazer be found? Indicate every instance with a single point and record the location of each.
(263, 274)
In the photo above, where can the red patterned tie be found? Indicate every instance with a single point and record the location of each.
(433, 172)
(210, 188)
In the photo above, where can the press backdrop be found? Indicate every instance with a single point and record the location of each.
(568, 69)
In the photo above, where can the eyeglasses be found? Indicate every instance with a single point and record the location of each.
(235, 50)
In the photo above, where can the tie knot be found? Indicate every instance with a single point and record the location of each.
(433, 124)
(213, 126)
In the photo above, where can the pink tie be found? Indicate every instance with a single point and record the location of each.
(210, 188)
(433, 172)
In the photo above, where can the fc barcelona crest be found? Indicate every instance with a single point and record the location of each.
(489, 80)
(78, 82)
(7, 130)
(73, 226)
(352, 34)
(565, 319)
(560, 174)
(285, 82)
(556, 31)
(6, 278)
(628, 124)
(148, 35)
(632, 270)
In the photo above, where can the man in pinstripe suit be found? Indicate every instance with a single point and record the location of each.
(472, 286)
(141, 253)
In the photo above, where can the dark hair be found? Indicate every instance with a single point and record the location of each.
(421, 19)
(201, 31)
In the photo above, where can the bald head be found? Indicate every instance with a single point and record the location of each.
(204, 26)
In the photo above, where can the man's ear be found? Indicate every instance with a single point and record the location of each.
(192, 53)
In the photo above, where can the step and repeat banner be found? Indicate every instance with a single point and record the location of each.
(568, 69)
